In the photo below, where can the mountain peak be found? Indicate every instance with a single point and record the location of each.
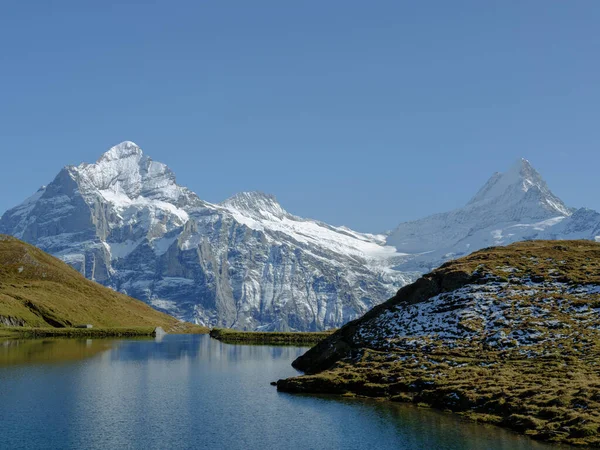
(523, 170)
(522, 162)
(121, 151)
(125, 171)
(515, 184)
(517, 201)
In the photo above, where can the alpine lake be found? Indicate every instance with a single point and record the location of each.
(194, 392)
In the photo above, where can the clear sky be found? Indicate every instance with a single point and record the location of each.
(358, 113)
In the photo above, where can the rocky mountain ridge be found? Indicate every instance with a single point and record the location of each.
(245, 263)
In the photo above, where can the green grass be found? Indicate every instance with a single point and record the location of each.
(40, 291)
(573, 261)
(543, 398)
(268, 337)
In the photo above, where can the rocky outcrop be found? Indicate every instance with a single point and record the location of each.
(508, 336)
(346, 342)
(8, 321)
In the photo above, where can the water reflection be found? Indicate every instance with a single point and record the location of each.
(192, 392)
(200, 347)
(49, 351)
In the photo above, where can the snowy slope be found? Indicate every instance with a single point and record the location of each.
(512, 206)
(261, 212)
(247, 263)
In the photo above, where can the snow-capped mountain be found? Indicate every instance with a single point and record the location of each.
(512, 206)
(245, 263)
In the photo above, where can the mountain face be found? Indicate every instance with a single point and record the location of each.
(512, 206)
(245, 263)
(508, 335)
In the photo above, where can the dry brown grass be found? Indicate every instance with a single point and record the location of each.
(38, 290)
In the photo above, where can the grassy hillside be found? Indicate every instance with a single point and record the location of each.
(507, 335)
(38, 290)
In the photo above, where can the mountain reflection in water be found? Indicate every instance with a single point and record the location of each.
(193, 392)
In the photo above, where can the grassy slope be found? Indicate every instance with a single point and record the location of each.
(38, 290)
(270, 337)
(549, 389)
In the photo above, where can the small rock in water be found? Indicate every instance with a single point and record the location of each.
(273, 383)
(159, 332)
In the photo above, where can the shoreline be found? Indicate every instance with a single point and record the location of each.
(101, 332)
(486, 394)
(229, 336)
(466, 418)
(33, 333)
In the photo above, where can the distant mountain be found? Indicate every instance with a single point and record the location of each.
(512, 206)
(245, 263)
(508, 335)
(39, 290)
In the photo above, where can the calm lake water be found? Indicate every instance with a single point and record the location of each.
(192, 392)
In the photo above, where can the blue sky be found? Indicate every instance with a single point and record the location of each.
(357, 113)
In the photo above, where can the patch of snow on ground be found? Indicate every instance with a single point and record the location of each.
(481, 312)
